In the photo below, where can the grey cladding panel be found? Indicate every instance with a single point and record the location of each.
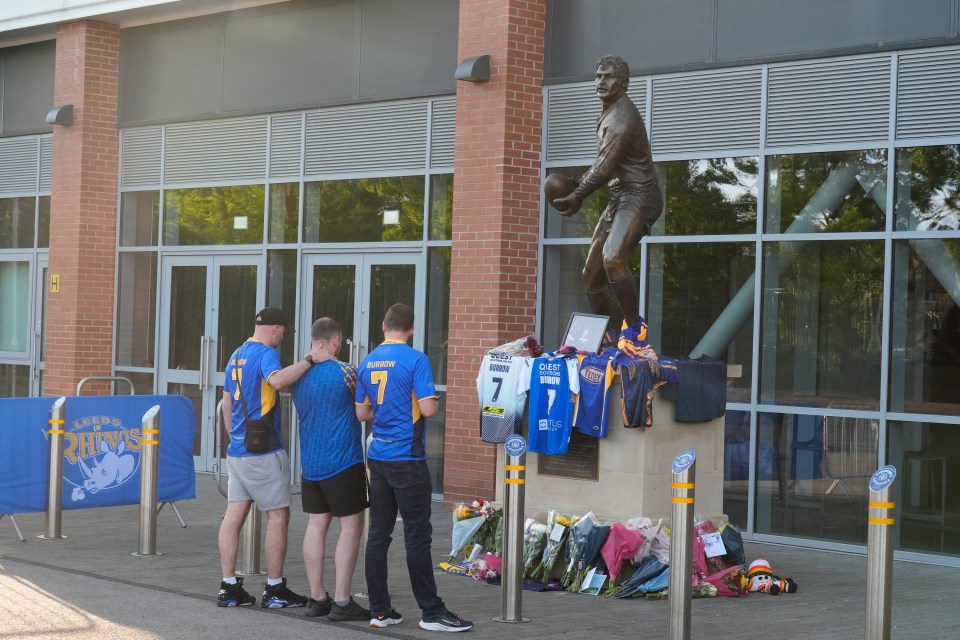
(652, 34)
(28, 77)
(169, 74)
(216, 151)
(140, 157)
(928, 94)
(286, 143)
(708, 111)
(829, 102)
(290, 58)
(368, 138)
(442, 132)
(18, 164)
(410, 50)
(572, 119)
(761, 28)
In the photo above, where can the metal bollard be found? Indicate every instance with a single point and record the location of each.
(54, 514)
(681, 543)
(879, 554)
(512, 579)
(149, 458)
(250, 544)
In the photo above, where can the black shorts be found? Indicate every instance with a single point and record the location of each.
(341, 495)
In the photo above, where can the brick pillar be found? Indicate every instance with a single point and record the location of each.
(83, 208)
(496, 204)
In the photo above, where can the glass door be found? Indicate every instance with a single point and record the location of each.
(207, 309)
(39, 328)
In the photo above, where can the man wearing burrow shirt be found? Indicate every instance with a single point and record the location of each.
(395, 391)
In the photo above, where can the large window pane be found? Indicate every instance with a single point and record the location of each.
(17, 219)
(822, 322)
(928, 188)
(826, 192)
(700, 299)
(717, 196)
(15, 310)
(136, 309)
(14, 381)
(580, 225)
(213, 215)
(282, 292)
(43, 225)
(813, 473)
(284, 212)
(925, 353)
(441, 206)
(139, 218)
(928, 479)
(438, 311)
(364, 210)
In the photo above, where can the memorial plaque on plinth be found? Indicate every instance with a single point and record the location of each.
(581, 462)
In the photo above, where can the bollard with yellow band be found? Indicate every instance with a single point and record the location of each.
(149, 459)
(880, 520)
(514, 478)
(681, 543)
(54, 514)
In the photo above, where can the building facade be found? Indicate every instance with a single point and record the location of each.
(208, 158)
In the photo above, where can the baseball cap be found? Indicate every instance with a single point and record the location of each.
(271, 316)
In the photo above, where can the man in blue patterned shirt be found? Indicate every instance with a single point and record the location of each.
(334, 480)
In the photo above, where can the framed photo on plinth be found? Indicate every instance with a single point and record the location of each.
(585, 331)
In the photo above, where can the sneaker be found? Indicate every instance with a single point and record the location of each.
(386, 619)
(278, 596)
(234, 595)
(448, 621)
(317, 608)
(352, 611)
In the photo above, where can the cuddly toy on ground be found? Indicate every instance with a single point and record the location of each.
(761, 579)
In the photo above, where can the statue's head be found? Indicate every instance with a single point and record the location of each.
(621, 70)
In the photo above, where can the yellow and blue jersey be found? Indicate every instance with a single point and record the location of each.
(247, 372)
(596, 378)
(393, 378)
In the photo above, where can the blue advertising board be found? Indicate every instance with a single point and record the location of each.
(101, 451)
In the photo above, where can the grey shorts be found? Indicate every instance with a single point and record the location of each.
(264, 479)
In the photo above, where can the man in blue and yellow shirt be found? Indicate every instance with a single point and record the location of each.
(395, 390)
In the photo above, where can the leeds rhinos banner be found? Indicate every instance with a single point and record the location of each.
(101, 451)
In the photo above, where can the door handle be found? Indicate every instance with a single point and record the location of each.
(204, 361)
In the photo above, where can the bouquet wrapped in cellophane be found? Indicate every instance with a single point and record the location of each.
(557, 527)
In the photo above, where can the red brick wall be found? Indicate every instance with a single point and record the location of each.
(83, 207)
(495, 219)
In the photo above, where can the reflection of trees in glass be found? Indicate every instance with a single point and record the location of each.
(792, 180)
(441, 206)
(828, 308)
(928, 188)
(206, 215)
(715, 196)
(16, 222)
(356, 210)
(284, 209)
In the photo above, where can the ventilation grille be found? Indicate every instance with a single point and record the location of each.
(141, 157)
(216, 151)
(367, 138)
(928, 95)
(18, 164)
(285, 145)
(704, 112)
(46, 162)
(829, 102)
(442, 132)
(572, 119)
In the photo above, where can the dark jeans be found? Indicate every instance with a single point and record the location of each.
(403, 487)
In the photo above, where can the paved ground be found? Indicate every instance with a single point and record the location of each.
(89, 586)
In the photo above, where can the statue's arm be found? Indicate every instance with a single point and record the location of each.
(613, 148)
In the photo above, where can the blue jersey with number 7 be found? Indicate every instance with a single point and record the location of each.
(393, 378)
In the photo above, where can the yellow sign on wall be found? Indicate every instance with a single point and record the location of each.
(54, 284)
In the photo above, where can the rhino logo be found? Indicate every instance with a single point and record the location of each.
(103, 457)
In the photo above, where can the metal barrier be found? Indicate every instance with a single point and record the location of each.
(148, 482)
(681, 543)
(250, 544)
(84, 381)
(54, 515)
(879, 554)
(512, 579)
